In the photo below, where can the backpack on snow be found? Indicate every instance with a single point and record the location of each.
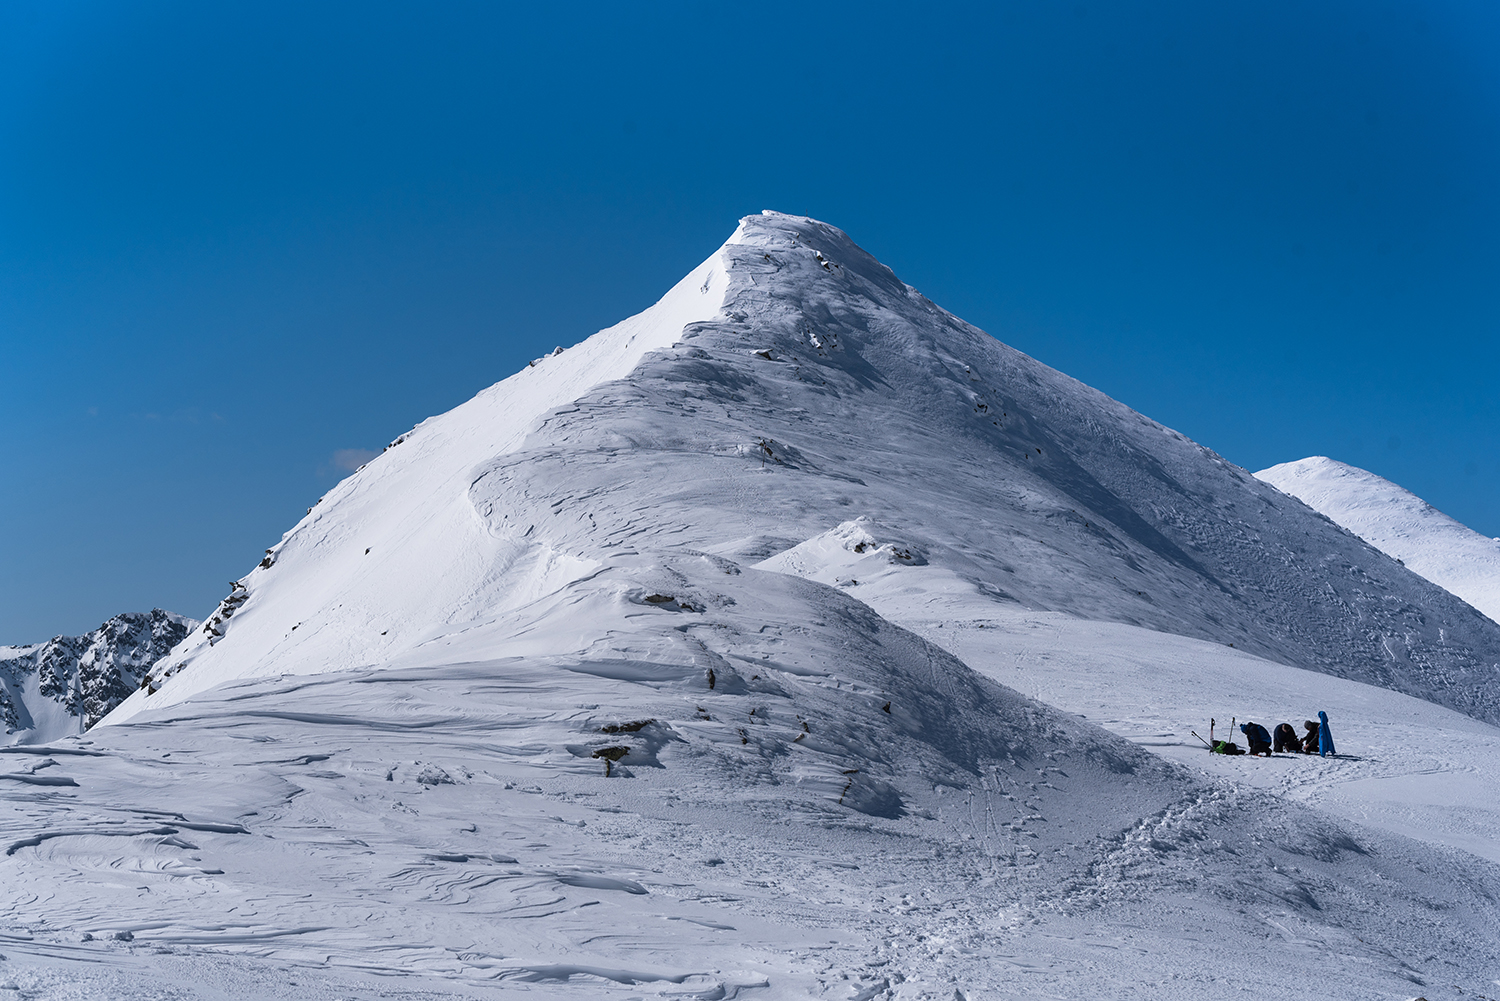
(1227, 747)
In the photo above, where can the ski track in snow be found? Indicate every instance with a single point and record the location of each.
(740, 652)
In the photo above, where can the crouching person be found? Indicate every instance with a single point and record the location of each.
(1310, 739)
(1257, 737)
(1287, 740)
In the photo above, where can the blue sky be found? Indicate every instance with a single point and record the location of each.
(241, 242)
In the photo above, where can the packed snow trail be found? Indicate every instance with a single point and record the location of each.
(595, 686)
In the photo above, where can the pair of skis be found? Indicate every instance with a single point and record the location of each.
(1209, 743)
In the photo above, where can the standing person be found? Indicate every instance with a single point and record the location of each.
(1260, 740)
(1310, 740)
(1287, 739)
(1325, 736)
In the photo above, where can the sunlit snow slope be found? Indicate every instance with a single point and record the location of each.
(669, 666)
(1398, 523)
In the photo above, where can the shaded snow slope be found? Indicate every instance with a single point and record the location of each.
(1398, 523)
(67, 684)
(1408, 766)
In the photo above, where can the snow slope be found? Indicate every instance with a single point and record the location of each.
(67, 684)
(668, 667)
(777, 835)
(1398, 523)
(1409, 767)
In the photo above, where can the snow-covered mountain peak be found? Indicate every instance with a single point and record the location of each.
(789, 384)
(1399, 524)
(699, 630)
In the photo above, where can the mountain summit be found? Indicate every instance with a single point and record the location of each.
(676, 664)
(67, 684)
(789, 384)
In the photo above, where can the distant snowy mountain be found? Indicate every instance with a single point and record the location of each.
(67, 684)
(677, 665)
(1398, 523)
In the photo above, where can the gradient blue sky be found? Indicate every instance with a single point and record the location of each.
(239, 240)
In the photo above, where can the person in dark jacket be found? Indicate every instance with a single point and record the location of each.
(1259, 739)
(1310, 739)
(1286, 739)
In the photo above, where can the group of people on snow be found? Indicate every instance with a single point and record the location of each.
(1318, 739)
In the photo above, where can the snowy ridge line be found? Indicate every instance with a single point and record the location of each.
(428, 559)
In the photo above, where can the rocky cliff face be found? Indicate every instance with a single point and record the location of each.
(67, 684)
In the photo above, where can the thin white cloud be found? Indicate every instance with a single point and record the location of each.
(349, 459)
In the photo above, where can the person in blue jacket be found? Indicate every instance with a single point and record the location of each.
(1260, 740)
(1325, 736)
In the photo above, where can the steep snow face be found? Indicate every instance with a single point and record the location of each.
(1398, 523)
(67, 684)
(395, 555)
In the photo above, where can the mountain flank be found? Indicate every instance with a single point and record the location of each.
(789, 384)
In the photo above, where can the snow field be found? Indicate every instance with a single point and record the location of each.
(450, 823)
(1406, 765)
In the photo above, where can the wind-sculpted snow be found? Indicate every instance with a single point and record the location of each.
(810, 802)
(597, 686)
(67, 684)
(1398, 523)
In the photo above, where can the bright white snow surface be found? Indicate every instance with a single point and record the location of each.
(668, 667)
(1398, 523)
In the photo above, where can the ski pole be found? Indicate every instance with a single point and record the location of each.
(1205, 743)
